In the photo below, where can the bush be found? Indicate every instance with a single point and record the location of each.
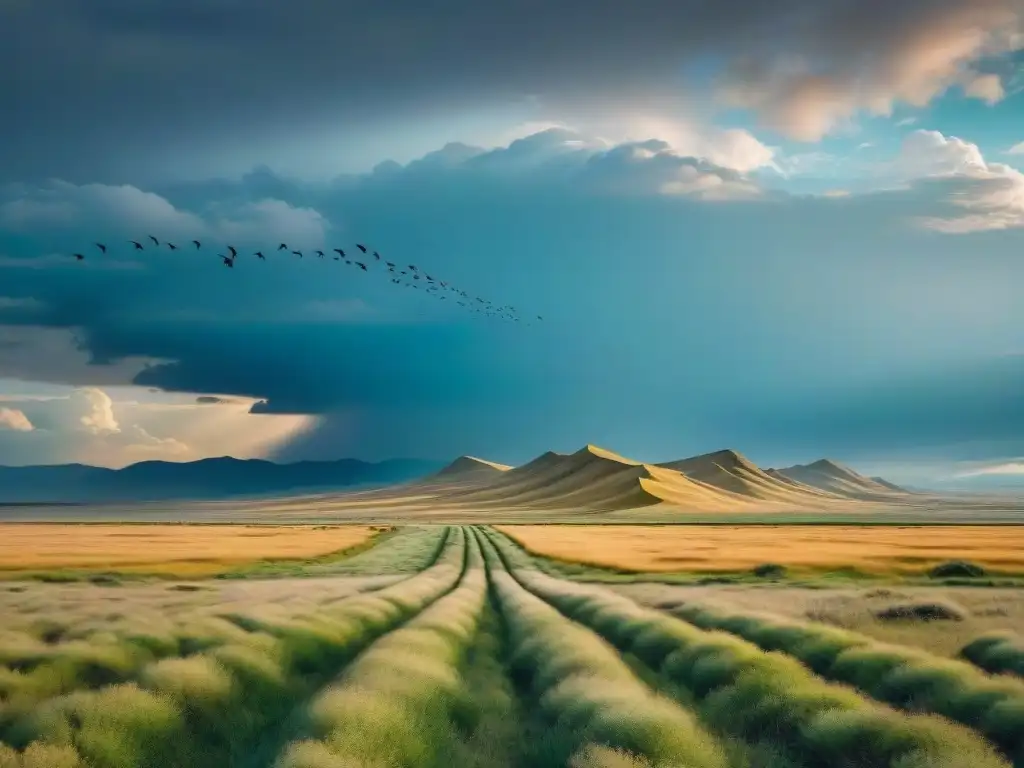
(769, 571)
(922, 611)
(957, 569)
(998, 652)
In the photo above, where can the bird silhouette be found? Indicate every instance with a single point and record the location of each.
(376, 256)
(234, 253)
(78, 256)
(137, 244)
(361, 247)
(282, 247)
(320, 254)
(228, 261)
(390, 263)
(197, 244)
(259, 254)
(361, 265)
(412, 267)
(101, 246)
(298, 253)
(172, 246)
(155, 241)
(339, 252)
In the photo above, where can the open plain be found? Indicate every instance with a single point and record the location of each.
(404, 639)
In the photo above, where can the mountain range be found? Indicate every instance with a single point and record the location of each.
(214, 478)
(597, 479)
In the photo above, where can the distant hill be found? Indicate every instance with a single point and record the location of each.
(205, 479)
(831, 476)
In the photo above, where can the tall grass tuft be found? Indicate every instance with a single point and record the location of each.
(997, 652)
(590, 696)
(908, 678)
(766, 696)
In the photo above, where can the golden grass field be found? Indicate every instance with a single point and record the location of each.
(870, 549)
(172, 550)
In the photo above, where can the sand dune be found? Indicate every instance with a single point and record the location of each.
(734, 472)
(468, 468)
(597, 479)
(833, 477)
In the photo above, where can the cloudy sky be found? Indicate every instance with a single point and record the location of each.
(793, 228)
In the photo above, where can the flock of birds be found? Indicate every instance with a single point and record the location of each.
(409, 276)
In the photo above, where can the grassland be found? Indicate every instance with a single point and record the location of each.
(167, 550)
(451, 646)
(805, 549)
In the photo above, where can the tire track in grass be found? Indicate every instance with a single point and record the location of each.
(758, 695)
(598, 713)
(399, 702)
(208, 710)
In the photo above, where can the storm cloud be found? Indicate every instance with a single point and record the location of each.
(129, 90)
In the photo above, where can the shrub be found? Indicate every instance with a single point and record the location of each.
(922, 611)
(769, 571)
(957, 569)
(999, 652)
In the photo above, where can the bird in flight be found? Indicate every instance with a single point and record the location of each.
(233, 251)
(101, 246)
(137, 244)
(282, 247)
(361, 265)
(78, 256)
(320, 254)
(298, 253)
(339, 252)
(172, 246)
(197, 244)
(155, 241)
(228, 261)
(376, 256)
(259, 254)
(361, 247)
(412, 267)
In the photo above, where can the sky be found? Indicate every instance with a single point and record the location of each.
(795, 229)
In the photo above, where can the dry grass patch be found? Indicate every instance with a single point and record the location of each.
(809, 548)
(172, 550)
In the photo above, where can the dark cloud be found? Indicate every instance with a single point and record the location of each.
(123, 89)
(674, 320)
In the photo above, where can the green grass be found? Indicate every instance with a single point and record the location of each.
(904, 677)
(214, 705)
(480, 657)
(760, 695)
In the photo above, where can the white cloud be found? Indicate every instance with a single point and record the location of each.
(807, 92)
(14, 420)
(1006, 468)
(126, 212)
(991, 195)
(987, 88)
(1016, 149)
(91, 426)
(98, 410)
(903, 123)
